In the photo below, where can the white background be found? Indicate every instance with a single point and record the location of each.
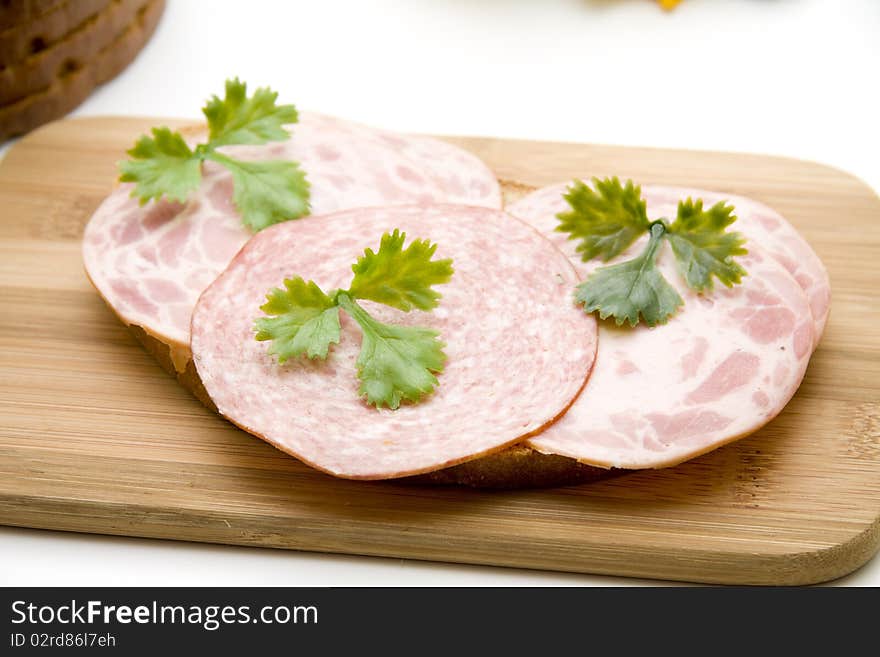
(799, 78)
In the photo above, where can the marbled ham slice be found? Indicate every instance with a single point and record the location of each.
(721, 368)
(151, 263)
(760, 224)
(518, 349)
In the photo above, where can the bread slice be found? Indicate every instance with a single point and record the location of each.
(15, 12)
(70, 90)
(37, 71)
(19, 42)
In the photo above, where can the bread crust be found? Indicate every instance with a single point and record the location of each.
(512, 191)
(518, 466)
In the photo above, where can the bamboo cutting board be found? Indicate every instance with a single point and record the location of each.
(96, 437)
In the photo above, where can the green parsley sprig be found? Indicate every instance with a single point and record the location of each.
(265, 192)
(609, 217)
(395, 363)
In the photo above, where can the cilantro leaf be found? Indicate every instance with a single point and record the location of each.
(395, 363)
(398, 277)
(161, 165)
(609, 218)
(605, 220)
(266, 192)
(238, 119)
(306, 321)
(632, 288)
(701, 246)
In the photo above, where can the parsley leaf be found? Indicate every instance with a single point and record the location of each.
(702, 247)
(161, 165)
(398, 277)
(607, 220)
(266, 192)
(396, 362)
(238, 119)
(306, 321)
(632, 288)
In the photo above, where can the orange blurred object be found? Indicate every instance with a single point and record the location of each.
(668, 4)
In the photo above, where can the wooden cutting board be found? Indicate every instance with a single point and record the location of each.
(95, 437)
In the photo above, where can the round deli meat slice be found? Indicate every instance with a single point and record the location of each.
(761, 225)
(519, 350)
(151, 262)
(452, 169)
(721, 368)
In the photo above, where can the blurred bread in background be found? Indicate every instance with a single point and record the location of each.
(53, 53)
(15, 12)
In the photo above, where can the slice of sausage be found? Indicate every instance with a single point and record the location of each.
(518, 349)
(151, 262)
(721, 368)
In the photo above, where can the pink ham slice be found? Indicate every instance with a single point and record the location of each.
(760, 224)
(151, 263)
(518, 350)
(721, 368)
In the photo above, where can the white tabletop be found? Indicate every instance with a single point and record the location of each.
(792, 77)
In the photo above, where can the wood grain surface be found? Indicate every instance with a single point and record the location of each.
(96, 437)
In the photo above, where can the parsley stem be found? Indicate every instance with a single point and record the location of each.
(649, 255)
(351, 306)
(219, 158)
(201, 151)
(657, 230)
(661, 227)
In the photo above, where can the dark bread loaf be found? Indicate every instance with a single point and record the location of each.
(75, 51)
(20, 41)
(68, 91)
(15, 12)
